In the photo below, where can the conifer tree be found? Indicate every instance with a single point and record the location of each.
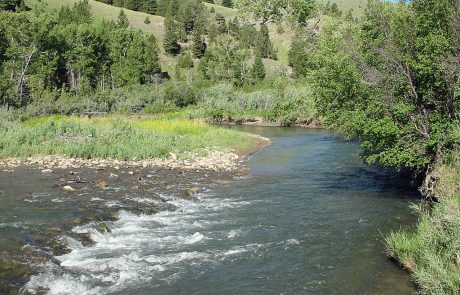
(170, 38)
(264, 45)
(199, 45)
(151, 6)
(258, 70)
(122, 20)
(227, 3)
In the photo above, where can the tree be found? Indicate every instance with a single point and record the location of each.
(122, 20)
(299, 56)
(264, 46)
(391, 81)
(258, 70)
(147, 20)
(199, 44)
(264, 11)
(225, 60)
(11, 5)
(170, 38)
(151, 6)
(227, 3)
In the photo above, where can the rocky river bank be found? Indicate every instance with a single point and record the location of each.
(43, 200)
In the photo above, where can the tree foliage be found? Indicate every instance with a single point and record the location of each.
(393, 80)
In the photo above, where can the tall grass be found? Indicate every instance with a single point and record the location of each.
(113, 137)
(432, 251)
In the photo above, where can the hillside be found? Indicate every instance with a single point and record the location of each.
(136, 19)
(103, 11)
(358, 6)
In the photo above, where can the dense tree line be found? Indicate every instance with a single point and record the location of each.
(45, 54)
(392, 80)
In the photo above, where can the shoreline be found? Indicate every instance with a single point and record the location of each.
(260, 122)
(215, 160)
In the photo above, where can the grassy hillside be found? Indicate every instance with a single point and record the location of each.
(358, 6)
(103, 11)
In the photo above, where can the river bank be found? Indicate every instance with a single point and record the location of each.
(159, 230)
(430, 250)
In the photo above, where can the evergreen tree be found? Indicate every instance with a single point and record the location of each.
(122, 20)
(264, 46)
(147, 20)
(82, 12)
(298, 56)
(227, 3)
(170, 38)
(151, 7)
(11, 5)
(258, 70)
(199, 44)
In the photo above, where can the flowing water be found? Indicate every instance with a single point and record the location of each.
(309, 218)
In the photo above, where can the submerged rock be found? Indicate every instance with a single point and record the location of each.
(68, 189)
(102, 184)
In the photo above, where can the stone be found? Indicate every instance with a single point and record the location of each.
(102, 184)
(112, 175)
(47, 171)
(192, 191)
(68, 189)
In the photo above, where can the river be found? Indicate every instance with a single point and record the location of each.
(309, 218)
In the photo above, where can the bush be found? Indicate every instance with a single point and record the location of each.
(181, 94)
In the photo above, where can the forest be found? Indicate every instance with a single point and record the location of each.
(389, 78)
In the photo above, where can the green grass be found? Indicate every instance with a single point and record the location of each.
(228, 13)
(103, 11)
(432, 251)
(358, 6)
(114, 137)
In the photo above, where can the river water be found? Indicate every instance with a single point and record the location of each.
(309, 218)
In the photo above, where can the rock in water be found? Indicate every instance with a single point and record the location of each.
(47, 171)
(102, 184)
(192, 191)
(68, 189)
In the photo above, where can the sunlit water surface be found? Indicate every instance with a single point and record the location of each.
(308, 219)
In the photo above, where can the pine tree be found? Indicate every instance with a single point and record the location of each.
(122, 20)
(199, 45)
(170, 38)
(263, 44)
(258, 70)
(151, 6)
(227, 3)
(11, 4)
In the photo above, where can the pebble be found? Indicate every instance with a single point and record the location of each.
(68, 189)
(102, 184)
(47, 171)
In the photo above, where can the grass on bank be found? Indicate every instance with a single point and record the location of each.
(431, 251)
(114, 137)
